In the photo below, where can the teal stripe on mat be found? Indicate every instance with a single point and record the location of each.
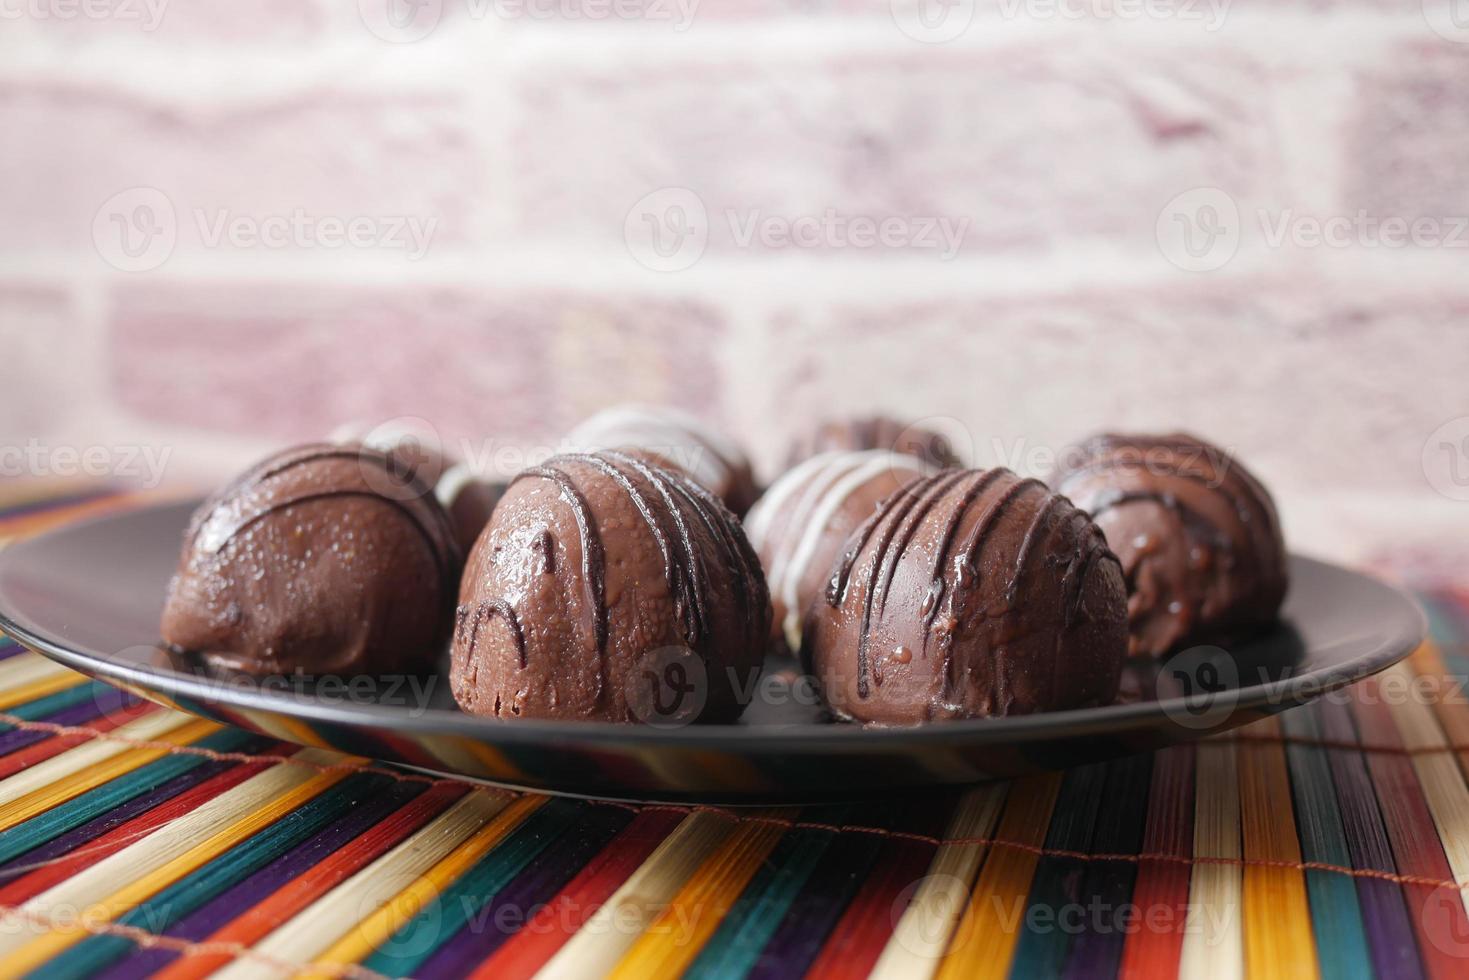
(193, 890)
(1056, 887)
(95, 802)
(761, 907)
(53, 703)
(1336, 915)
(405, 950)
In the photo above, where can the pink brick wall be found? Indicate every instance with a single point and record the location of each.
(228, 228)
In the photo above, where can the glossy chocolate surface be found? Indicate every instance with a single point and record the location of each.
(1197, 534)
(970, 594)
(323, 559)
(598, 574)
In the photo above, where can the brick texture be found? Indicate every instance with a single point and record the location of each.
(525, 133)
(293, 363)
(1035, 146)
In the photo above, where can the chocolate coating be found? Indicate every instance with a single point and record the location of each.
(799, 526)
(679, 441)
(467, 496)
(469, 502)
(1197, 534)
(323, 559)
(598, 572)
(970, 594)
(873, 432)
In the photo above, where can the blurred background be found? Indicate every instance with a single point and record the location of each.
(230, 226)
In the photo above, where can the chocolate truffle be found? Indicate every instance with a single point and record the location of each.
(969, 594)
(467, 496)
(1198, 536)
(799, 525)
(677, 440)
(874, 432)
(324, 559)
(609, 588)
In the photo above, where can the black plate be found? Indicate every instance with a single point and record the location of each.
(90, 595)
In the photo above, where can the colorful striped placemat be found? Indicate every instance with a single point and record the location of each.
(1332, 840)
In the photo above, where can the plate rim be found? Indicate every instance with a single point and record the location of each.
(1273, 695)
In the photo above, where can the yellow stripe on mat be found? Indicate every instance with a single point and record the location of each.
(614, 928)
(984, 943)
(164, 856)
(27, 668)
(1213, 940)
(377, 928)
(1279, 941)
(93, 763)
(1438, 771)
(676, 936)
(40, 689)
(317, 928)
(922, 934)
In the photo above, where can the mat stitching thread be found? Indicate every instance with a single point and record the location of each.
(1146, 856)
(144, 939)
(817, 825)
(67, 731)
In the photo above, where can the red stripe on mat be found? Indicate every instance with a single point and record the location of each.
(121, 836)
(261, 919)
(41, 751)
(551, 927)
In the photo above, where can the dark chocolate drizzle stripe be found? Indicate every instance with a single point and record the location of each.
(968, 553)
(1027, 544)
(936, 574)
(593, 559)
(546, 545)
(482, 612)
(689, 602)
(1111, 453)
(974, 542)
(1073, 582)
(898, 512)
(836, 588)
(432, 521)
(724, 527)
(1196, 525)
(422, 510)
(915, 517)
